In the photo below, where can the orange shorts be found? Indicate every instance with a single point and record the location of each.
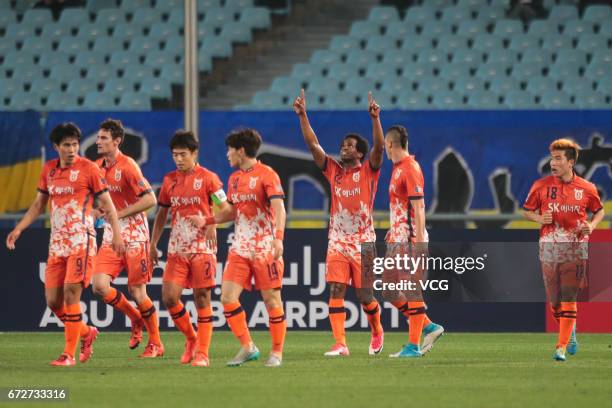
(341, 268)
(191, 270)
(135, 261)
(564, 280)
(76, 268)
(268, 273)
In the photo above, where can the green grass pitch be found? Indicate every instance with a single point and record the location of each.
(486, 370)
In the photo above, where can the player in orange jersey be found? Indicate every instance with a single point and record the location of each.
(353, 187)
(407, 232)
(70, 183)
(560, 203)
(188, 191)
(132, 196)
(256, 203)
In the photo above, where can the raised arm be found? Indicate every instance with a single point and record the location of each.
(318, 154)
(376, 154)
(35, 210)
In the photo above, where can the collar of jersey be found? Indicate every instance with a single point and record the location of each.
(59, 161)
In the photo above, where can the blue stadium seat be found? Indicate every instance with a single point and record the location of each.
(121, 59)
(142, 45)
(571, 55)
(420, 15)
(110, 17)
(598, 70)
(524, 70)
(177, 17)
(100, 73)
(565, 71)
(385, 100)
(11, 86)
(602, 56)
(339, 100)
(117, 86)
(217, 47)
(256, 17)
(363, 30)
(397, 58)
(72, 18)
(576, 28)
(398, 87)
(341, 72)
(448, 43)
(36, 45)
(131, 6)
(157, 58)
(539, 85)
(342, 44)
(434, 30)
(267, 100)
(322, 85)
(43, 86)
(473, 57)
(19, 32)
(469, 85)
(470, 4)
(236, 32)
(493, 70)
(71, 46)
(163, 31)
(447, 100)
(577, 85)
(286, 85)
(99, 101)
(503, 85)
(81, 86)
(488, 14)
(597, 13)
(138, 73)
(542, 28)
(26, 100)
(156, 88)
(483, 100)
(324, 57)
(471, 28)
(518, 99)
(360, 86)
(54, 31)
(205, 62)
(87, 59)
(238, 4)
(591, 43)
(502, 55)
(563, 13)
(91, 31)
(522, 42)
(537, 55)
(417, 70)
(132, 101)
(217, 17)
(360, 58)
(37, 17)
(146, 16)
(16, 60)
(604, 85)
(413, 100)
(174, 45)
(380, 71)
(554, 42)
(590, 100)
(379, 44)
(173, 73)
(431, 85)
(432, 56)
(507, 28)
(61, 101)
(97, 5)
(415, 44)
(555, 100)
(127, 31)
(107, 45)
(304, 72)
(400, 29)
(168, 5)
(383, 15)
(50, 58)
(455, 14)
(7, 17)
(487, 43)
(454, 71)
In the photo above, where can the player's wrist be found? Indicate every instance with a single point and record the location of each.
(279, 234)
(210, 220)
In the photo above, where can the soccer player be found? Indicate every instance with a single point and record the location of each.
(132, 196)
(353, 187)
(256, 204)
(559, 203)
(190, 190)
(70, 183)
(407, 229)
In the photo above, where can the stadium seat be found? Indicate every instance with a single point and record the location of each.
(304, 72)
(217, 17)
(434, 30)
(26, 100)
(431, 85)
(488, 14)
(110, 17)
(341, 72)
(563, 13)
(518, 99)
(138, 73)
(447, 100)
(360, 86)
(205, 63)
(604, 86)
(415, 44)
(36, 17)
(507, 28)
(379, 44)
(503, 85)
(555, 100)
(81, 86)
(448, 43)
(383, 15)
(44, 87)
(432, 56)
(590, 100)
(597, 13)
(398, 87)
(417, 70)
(487, 43)
(156, 88)
(99, 101)
(539, 85)
(123, 59)
(339, 100)
(61, 101)
(473, 57)
(324, 57)
(397, 58)
(174, 45)
(217, 47)
(342, 44)
(454, 71)
(412, 100)
(363, 30)
(142, 45)
(117, 86)
(157, 58)
(173, 73)
(420, 15)
(132, 101)
(146, 16)
(162, 31)
(471, 28)
(16, 59)
(36, 45)
(100, 73)
(267, 100)
(27, 74)
(576, 28)
(50, 58)
(571, 55)
(385, 100)
(577, 85)
(91, 31)
(524, 70)
(322, 85)
(19, 32)
(598, 70)
(602, 56)
(107, 45)
(493, 70)
(286, 85)
(87, 59)
(97, 5)
(127, 31)
(7, 16)
(236, 32)
(564, 71)
(360, 58)
(11, 86)
(505, 56)
(466, 86)
(455, 14)
(72, 18)
(399, 29)
(483, 100)
(72, 46)
(256, 17)
(541, 28)
(238, 4)
(381, 71)
(131, 6)
(522, 42)
(554, 42)
(591, 43)
(538, 56)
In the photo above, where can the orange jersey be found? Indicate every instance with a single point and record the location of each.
(352, 192)
(568, 203)
(250, 192)
(71, 192)
(126, 185)
(187, 194)
(406, 184)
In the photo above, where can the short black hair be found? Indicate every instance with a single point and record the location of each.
(402, 134)
(362, 144)
(64, 131)
(115, 127)
(184, 139)
(248, 138)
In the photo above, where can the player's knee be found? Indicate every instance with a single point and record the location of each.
(138, 293)
(337, 290)
(227, 298)
(364, 297)
(100, 289)
(272, 302)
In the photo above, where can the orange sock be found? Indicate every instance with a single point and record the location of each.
(337, 317)
(236, 320)
(567, 320)
(119, 302)
(427, 320)
(416, 320)
(149, 315)
(372, 309)
(402, 306)
(60, 313)
(73, 321)
(278, 328)
(182, 320)
(205, 329)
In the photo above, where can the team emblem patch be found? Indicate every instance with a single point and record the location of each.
(197, 184)
(578, 193)
(74, 174)
(252, 182)
(117, 174)
(356, 177)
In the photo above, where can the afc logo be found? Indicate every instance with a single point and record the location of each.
(253, 182)
(74, 175)
(117, 174)
(197, 184)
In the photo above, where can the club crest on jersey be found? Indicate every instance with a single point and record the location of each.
(117, 174)
(197, 184)
(74, 174)
(252, 182)
(356, 177)
(578, 193)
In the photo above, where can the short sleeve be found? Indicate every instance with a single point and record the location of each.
(330, 168)
(415, 189)
(137, 182)
(533, 201)
(272, 186)
(594, 205)
(42, 181)
(96, 181)
(215, 189)
(164, 198)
